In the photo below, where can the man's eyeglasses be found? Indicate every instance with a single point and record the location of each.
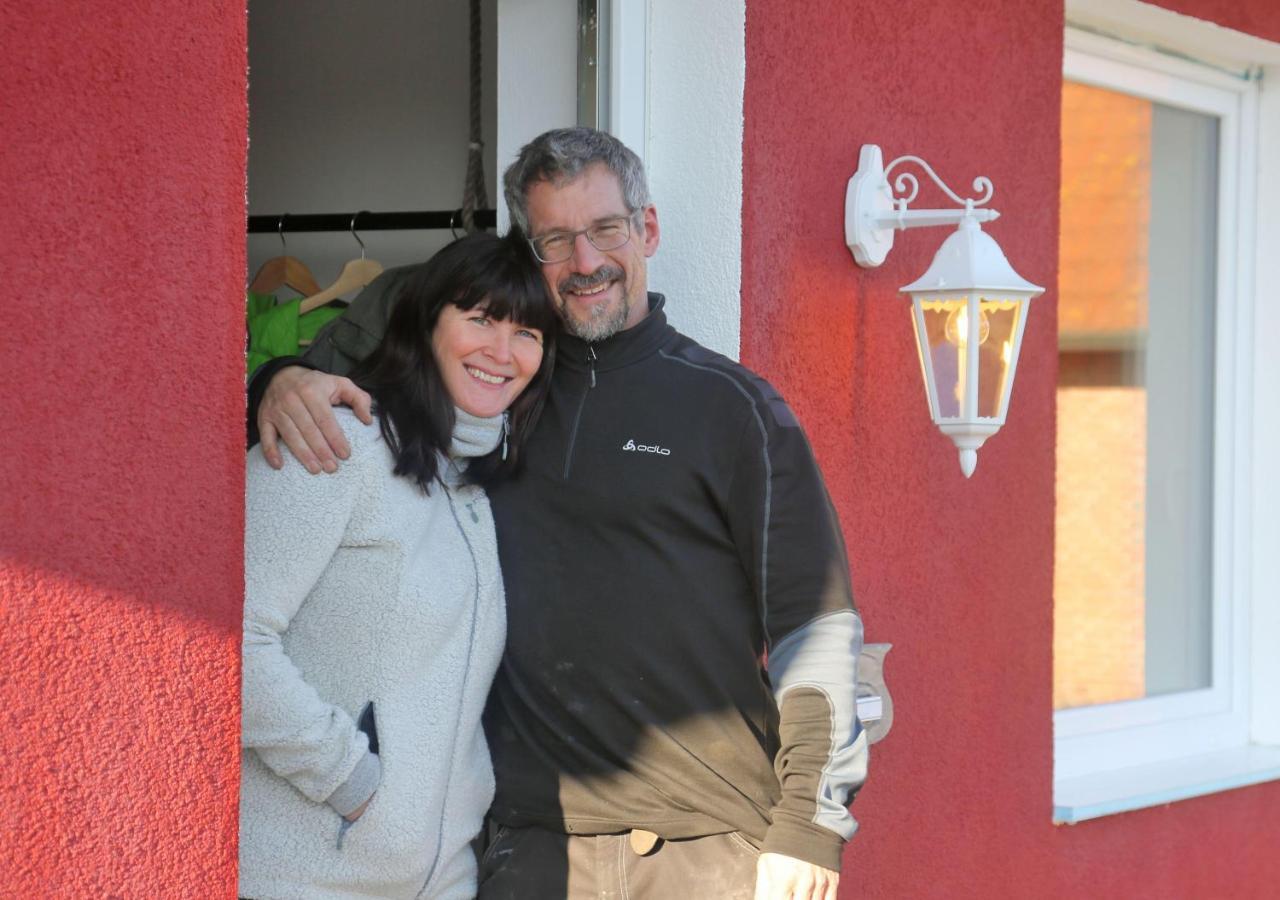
(607, 234)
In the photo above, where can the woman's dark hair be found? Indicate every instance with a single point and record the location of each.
(417, 414)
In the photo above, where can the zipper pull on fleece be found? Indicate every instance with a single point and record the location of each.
(591, 363)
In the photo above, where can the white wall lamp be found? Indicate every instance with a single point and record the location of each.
(969, 309)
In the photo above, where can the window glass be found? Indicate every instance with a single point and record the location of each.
(1133, 550)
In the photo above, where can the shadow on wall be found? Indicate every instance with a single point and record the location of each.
(127, 524)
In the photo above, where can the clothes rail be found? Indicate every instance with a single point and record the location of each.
(367, 221)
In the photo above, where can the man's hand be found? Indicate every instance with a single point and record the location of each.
(297, 408)
(781, 877)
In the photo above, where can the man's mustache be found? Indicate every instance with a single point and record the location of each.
(578, 282)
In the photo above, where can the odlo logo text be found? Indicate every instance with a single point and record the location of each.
(646, 448)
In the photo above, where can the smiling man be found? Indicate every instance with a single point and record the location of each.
(599, 286)
(670, 529)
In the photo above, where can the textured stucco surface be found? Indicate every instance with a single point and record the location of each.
(121, 495)
(958, 575)
(1260, 18)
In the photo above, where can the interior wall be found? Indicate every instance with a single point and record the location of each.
(122, 491)
(537, 75)
(363, 106)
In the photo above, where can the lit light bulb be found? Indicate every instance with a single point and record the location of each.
(957, 328)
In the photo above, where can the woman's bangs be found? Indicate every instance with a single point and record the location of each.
(525, 304)
(507, 284)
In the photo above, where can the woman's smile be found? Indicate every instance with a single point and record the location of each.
(484, 362)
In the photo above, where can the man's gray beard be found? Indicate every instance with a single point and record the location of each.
(603, 322)
(599, 327)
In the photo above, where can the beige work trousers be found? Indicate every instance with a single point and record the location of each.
(536, 864)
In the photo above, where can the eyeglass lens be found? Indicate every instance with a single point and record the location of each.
(607, 235)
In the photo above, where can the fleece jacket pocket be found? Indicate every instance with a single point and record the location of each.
(368, 723)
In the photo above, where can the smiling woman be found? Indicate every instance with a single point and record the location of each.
(484, 302)
(485, 362)
(372, 632)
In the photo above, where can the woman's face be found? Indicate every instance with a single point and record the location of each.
(485, 362)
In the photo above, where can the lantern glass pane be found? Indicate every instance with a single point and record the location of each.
(926, 370)
(947, 335)
(944, 342)
(996, 354)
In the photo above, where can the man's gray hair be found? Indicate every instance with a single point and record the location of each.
(562, 155)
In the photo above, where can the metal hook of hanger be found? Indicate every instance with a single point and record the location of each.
(280, 231)
(353, 231)
(454, 213)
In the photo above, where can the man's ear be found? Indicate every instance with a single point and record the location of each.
(652, 234)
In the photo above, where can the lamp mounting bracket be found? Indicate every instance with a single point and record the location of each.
(874, 208)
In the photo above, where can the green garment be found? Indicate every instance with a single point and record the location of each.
(277, 329)
(353, 336)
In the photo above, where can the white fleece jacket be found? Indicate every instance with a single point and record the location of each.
(359, 588)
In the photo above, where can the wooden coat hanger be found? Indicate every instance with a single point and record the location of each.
(285, 270)
(288, 271)
(355, 274)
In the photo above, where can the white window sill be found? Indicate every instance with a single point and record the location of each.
(1106, 793)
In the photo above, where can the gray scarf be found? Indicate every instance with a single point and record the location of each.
(474, 436)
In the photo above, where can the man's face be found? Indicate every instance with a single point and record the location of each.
(598, 293)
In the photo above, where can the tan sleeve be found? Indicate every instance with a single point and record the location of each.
(822, 760)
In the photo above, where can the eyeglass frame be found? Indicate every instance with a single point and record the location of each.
(585, 232)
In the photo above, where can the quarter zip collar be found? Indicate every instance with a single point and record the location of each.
(624, 348)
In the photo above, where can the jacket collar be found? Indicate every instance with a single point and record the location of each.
(624, 348)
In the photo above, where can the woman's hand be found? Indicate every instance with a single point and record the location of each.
(358, 811)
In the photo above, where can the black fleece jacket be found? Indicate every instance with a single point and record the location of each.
(670, 525)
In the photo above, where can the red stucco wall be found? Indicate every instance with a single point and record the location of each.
(1257, 17)
(122, 173)
(957, 574)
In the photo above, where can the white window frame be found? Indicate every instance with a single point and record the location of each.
(629, 73)
(1121, 756)
(537, 85)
